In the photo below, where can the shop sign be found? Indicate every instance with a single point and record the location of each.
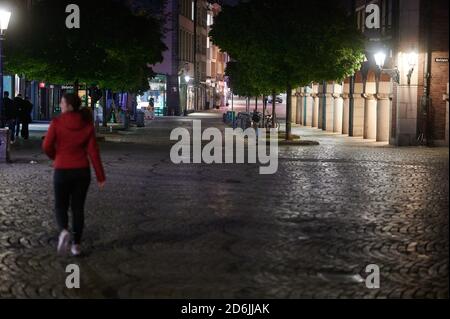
(441, 60)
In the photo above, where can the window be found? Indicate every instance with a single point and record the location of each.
(187, 9)
(186, 41)
(210, 20)
(386, 16)
(361, 18)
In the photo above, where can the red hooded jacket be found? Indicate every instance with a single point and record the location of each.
(71, 142)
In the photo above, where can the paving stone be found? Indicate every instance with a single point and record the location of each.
(160, 230)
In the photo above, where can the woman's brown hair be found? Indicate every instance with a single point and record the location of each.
(75, 101)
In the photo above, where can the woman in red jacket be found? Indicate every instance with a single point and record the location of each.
(70, 143)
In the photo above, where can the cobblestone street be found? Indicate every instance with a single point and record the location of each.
(159, 230)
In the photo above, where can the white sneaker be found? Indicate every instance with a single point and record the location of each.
(75, 250)
(63, 242)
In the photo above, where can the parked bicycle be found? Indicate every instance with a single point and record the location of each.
(270, 122)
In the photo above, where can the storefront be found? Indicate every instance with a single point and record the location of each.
(156, 97)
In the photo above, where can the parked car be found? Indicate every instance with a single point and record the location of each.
(278, 99)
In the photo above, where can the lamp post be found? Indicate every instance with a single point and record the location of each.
(380, 60)
(410, 59)
(5, 16)
(187, 79)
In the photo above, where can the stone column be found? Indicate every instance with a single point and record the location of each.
(309, 107)
(370, 111)
(383, 111)
(294, 107)
(346, 109)
(338, 105)
(358, 111)
(322, 107)
(326, 107)
(370, 116)
(329, 114)
(315, 98)
(300, 115)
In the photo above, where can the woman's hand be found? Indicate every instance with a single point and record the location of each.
(101, 185)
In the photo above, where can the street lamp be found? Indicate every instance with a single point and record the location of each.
(380, 60)
(187, 79)
(411, 59)
(5, 16)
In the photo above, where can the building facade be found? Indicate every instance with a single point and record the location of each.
(45, 97)
(400, 95)
(217, 88)
(190, 78)
(183, 72)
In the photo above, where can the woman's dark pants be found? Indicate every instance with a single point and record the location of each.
(71, 187)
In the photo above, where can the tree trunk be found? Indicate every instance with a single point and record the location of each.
(274, 107)
(264, 112)
(104, 100)
(93, 102)
(256, 104)
(86, 96)
(289, 113)
(76, 87)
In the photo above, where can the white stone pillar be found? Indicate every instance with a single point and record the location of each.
(383, 115)
(309, 107)
(346, 109)
(294, 107)
(338, 105)
(326, 107)
(358, 111)
(370, 117)
(329, 114)
(298, 114)
(383, 111)
(370, 112)
(300, 99)
(322, 107)
(315, 98)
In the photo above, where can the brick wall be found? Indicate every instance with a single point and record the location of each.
(440, 71)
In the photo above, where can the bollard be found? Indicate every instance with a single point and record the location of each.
(4, 146)
(125, 121)
(140, 119)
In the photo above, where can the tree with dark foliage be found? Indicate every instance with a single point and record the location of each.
(113, 48)
(290, 43)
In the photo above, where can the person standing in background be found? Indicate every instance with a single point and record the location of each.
(18, 105)
(10, 115)
(2, 114)
(25, 117)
